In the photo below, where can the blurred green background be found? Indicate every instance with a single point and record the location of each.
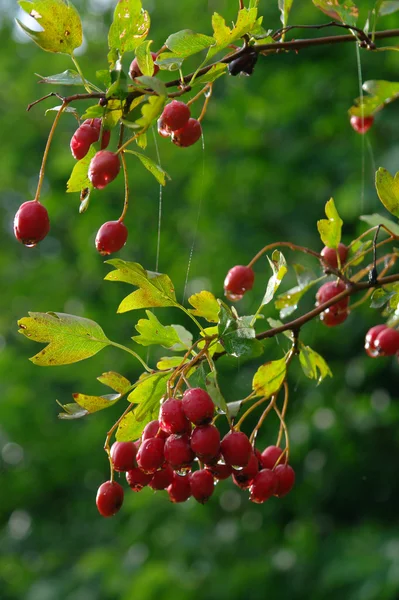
(277, 146)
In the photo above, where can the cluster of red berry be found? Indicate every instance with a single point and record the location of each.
(382, 340)
(177, 123)
(164, 456)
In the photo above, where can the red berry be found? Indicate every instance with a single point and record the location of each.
(180, 488)
(329, 255)
(220, 472)
(109, 498)
(123, 456)
(270, 456)
(205, 442)
(331, 318)
(236, 449)
(161, 129)
(264, 486)
(245, 476)
(336, 313)
(162, 479)
(187, 135)
(103, 168)
(82, 139)
(178, 452)
(175, 116)
(387, 342)
(172, 418)
(371, 336)
(31, 223)
(134, 69)
(111, 237)
(285, 479)
(152, 429)
(198, 406)
(361, 125)
(96, 123)
(137, 479)
(238, 280)
(150, 456)
(202, 485)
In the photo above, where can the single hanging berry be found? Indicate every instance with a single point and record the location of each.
(371, 336)
(187, 135)
(361, 125)
(103, 168)
(174, 116)
(87, 134)
(31, 223)
(329, 256)
(236, 449)
(198, 406)
(387, 342)
(111, 237)
(109, 498)
(337, 313)
(285, 475)
(202, 485)
(123, 456)
(238, 280)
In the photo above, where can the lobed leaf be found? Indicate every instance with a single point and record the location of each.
(155, 170)
(60, 22)
(93, 404)
(313, 365)
(69, 338)
(388, 190)
(150, 111)
(129, 28)
(236, 334)
(186, 43)
(153, 332)
(205, 305)
(144, 58)
(154, 290)
(375, 219)
(115, 381)
(330, 230)
(224, 36)
(269, 378)
(339, 10)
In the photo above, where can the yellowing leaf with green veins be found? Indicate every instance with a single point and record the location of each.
(269, 378)
(115, 381)
(388, 190)
(95, 403)
(154, 290)
(60, 23)
(129, 28)
(224, 36)
(155, 170)
(150, 111)
(313, 365)
(144, 58)
(205, 305)
(330, 230)
(339, 10)
(79, 178)
(215, 346)
(186, 42)
(170, 362)
(214, 73)
(153, 332)
(69, 338)
(381, 93)
(279, 267)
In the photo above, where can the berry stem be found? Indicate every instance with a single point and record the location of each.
(129, 141)
(125, 175)
(289, 245)
(285, 405)
(285, 429)
(47, 149)
(268, 408)
(208, 94)
(197, 96)
(125, 349)
(89, 88)
(248, 412)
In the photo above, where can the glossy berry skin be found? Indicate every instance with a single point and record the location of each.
(329, 255)
(134, 69)
(337, 313)
(178, 452)
(152, 429)
(236, 449)
(86, 135)
(263, 486)
(238, 280)
(150, 456)
(187, 135)
(163, 132)
(198, 406)
(111, 237)
(109, 498)
(205, 442)
(172, 418)
(270, 456)
(387, 342)
(332, 319)
(202, 485)
(361, 125)
(180, 488)
(103, 168)
(96, 123)
(123, 456)
(245, 476)
(137, 479)
(162, 479)
(285, 479)
(371, 336)
(175, 116)
(31, 223)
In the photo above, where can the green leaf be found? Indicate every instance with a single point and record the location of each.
(388, 190)
(153, 332)
(237, 336)
(205, 305)
(339, 10)
(154, 290)
(67, 77)
(79, 177)
(93, 404)
(69, 338)
(276, 323)
(155, 170)
(168, 61)
(285, 7)
(115, 381)
(214, 73)
(380, 297)
(150, 111)
(356, 250)
(288, 302)
(213, 389)
(313, 365)
(72, 411)
(104, 77)
(185, 339)
(375, 219)
(330, 230)
(380, 93)
(186, 43)
(93, 112)
(269, 378)
(152, 83)
(68, 109)
(215, 345)
(60, 23)
(169, 362)
(147, 396)
(144, 58)
(224, 36)
(129, 28)
(279, 267)
(388, 7)
(142, 142)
